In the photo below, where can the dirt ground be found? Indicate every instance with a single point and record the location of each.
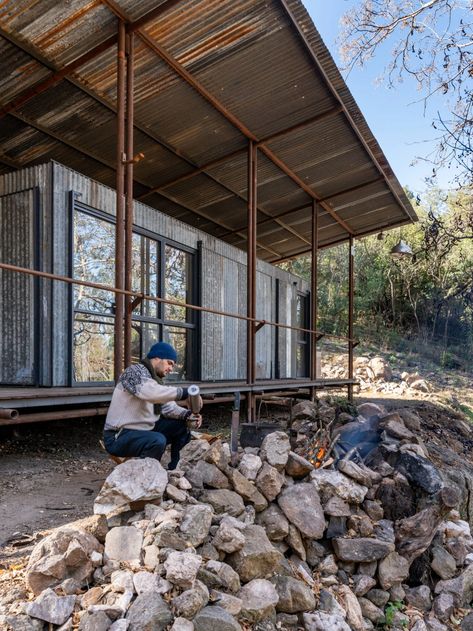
(50, 473)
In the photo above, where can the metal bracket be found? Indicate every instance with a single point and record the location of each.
(319, 336)
(136, 158)
(135, 303)
(260, 325)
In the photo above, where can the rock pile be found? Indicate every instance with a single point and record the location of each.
(374, 373)
(270, 544)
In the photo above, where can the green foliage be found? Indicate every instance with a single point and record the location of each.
(342, 405)
(390, 611)
(423, 303)
(467, 411)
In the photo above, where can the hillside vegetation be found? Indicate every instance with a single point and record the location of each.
(422, 303)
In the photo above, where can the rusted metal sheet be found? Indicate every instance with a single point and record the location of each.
(19, 307)
(251, 69)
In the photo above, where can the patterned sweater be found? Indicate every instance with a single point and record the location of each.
(133, 400)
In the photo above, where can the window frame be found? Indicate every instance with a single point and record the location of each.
(192, 323)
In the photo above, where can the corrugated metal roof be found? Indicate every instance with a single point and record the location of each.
(209, 74)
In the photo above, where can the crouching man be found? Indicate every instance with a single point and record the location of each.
(143, 416)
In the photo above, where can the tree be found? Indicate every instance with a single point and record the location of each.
(431, 41)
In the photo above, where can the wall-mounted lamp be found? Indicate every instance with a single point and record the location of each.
(401, 250)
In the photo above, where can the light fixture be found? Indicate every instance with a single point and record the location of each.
(401, 250)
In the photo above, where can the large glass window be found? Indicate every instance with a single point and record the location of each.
(159, 268)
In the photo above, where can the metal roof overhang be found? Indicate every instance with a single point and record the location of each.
(209, 75)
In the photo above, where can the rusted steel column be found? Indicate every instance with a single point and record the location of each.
(313, 294)
(351, 295)
(251, 276)
(129, 191)
(119, 228)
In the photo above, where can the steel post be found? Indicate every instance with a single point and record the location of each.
(313, 294)
(251, 277)
(120, 186)
(129, 192)
(351, 295)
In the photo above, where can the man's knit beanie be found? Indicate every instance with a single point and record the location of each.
(163, 351)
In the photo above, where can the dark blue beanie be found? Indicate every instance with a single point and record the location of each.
(163, 351)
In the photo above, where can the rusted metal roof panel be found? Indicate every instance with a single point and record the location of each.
(261, 62)
(20, 71)
(62, 31)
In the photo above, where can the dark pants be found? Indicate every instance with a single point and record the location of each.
(142, 443)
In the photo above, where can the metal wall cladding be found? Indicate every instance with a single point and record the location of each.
(18, 308)
(224, 277)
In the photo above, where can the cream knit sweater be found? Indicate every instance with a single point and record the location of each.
(133, 400)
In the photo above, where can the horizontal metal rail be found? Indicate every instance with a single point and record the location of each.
(84, 283)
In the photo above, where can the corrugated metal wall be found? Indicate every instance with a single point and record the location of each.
(24, 181)
(223, 281)
(17, 314)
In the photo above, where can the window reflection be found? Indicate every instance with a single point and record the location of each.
(94, 261)
(176, 282)
(93, 348)
(93, 326)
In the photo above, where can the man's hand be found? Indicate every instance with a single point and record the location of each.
(195, 418)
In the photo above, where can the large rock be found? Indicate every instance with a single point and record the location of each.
(294, 595)
(275, 449)
(95, 525)
(351, 605)
(229, 537)
(419, 471)
(460, 587)
(123, 543)
(224, 501)
(258, 600)
(191, 601)
(301, 505)
(363, 549)
(208, 475)
(247, 490)
(196, 523)
(321, 621)
(393, 570)
(297, 466)
(65, 553)
(380, 368)
(52, 608)
(215, 618)
(182, 567)
(274, 522)
(138, 479)
(304, 409)
(269, 481)
(217, 574)
(249, 466)
(149, 612)
(258, 558)
(329, 483)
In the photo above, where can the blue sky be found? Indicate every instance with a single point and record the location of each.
(395, 116)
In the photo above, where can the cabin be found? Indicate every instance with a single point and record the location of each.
(157, 161)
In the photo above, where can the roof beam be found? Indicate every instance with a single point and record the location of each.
(184, 74)
(217, 161)
(352, 189)
(106, 163)
(59, 75)
(137, 126)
